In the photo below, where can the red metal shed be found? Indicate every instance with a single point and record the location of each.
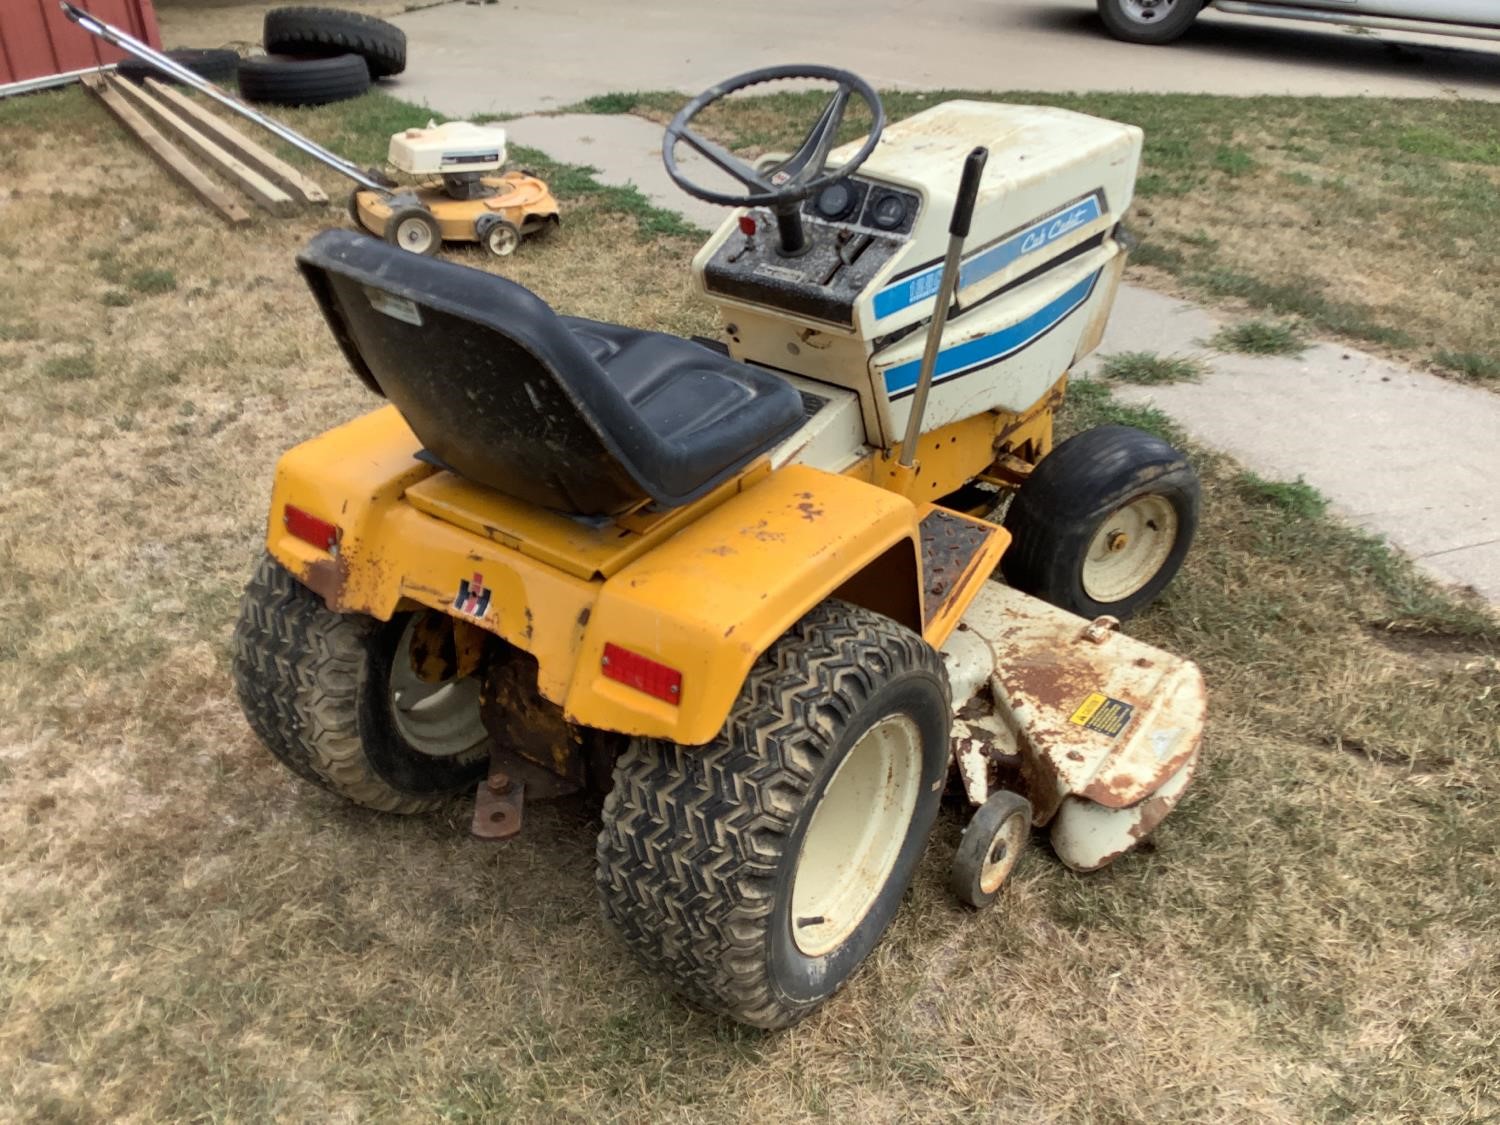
(37, 40)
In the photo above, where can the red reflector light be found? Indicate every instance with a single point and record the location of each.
(642, 673)
(747, 225)
(309, 528)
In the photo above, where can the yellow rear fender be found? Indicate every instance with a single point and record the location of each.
(390, 556)
(703, 606)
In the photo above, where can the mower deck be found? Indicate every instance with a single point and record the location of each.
(521, 200)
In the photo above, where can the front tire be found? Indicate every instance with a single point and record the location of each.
(332, 696)
(756, 873)
(1151, 22)
(1103, 523)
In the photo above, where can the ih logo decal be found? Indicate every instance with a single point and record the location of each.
(473, 598)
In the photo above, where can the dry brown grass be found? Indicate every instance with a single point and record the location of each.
(190, 933)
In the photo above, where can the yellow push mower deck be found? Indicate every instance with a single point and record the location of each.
(422, 218)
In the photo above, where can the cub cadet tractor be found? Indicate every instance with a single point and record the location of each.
(743, 588)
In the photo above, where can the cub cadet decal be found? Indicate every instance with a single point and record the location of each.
(983, 351)
(990, 260)
(1102, 713)
(473, 598)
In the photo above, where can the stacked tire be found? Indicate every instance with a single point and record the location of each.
(320, 55)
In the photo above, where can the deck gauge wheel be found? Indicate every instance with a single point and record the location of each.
(987, 853)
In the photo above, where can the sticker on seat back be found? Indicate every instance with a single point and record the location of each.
(397, 308)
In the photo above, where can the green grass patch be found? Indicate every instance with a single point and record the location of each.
(1470, 364)
(114, 299)
(1295, 498)
(70, 368)
(1150, 369)
(1258, 337)
(19, 331)
(152, 281)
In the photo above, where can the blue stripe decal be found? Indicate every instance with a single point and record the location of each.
(989, 261)
(996, 346)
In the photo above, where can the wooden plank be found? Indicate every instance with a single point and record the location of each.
(171, 159)
(251, 182)
(268, 163)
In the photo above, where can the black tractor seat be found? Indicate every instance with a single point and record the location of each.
(574, 415)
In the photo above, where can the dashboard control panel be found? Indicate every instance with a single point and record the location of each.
(853, 227)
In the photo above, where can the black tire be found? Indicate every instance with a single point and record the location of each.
(315, 687)
(701, 845)
(210, 63)
(398, 230)
(1093, 477)
(988, 850)
(281, 80)
(1175, 18)
(319, 33)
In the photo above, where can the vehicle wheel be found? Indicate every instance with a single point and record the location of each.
(1103, 523)
(283, 80)
(414, 229)
(1152, 22)
(501, 238)
(211, 63)
(755, 873)
(320, 33)
(335, 698)
(988, 850)
(354, 209)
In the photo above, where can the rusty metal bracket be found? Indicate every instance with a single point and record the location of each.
(498, 807)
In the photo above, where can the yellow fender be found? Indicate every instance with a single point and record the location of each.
(717, 594)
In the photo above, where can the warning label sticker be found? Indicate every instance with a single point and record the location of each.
(1102, 713)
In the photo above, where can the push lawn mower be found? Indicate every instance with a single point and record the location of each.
(464, 205)
(744, 587)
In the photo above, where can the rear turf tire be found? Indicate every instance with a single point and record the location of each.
(706, 850)
(316, 687)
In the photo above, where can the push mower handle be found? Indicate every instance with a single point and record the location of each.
(968, 192)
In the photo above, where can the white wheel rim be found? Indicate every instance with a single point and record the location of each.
(1005, 848)
(1147, 11)
(414, 235)
(1129, 549)
(502, 241)
(439, 720)
(855, 835)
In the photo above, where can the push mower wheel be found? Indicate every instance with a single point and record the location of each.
(1103, 523)
(501, 238)
(414, 229)
(1150, 22)
(989, 848)
(334, 697)
(755, 873)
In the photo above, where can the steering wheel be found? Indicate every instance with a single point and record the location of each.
(802, 174)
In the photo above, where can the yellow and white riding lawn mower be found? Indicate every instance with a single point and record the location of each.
(745, 587)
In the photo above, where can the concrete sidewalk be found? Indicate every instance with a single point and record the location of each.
(527, 55)
(1399, 452)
